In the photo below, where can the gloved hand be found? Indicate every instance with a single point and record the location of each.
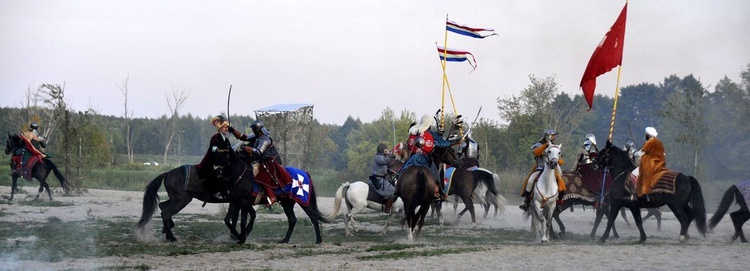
(231, 129)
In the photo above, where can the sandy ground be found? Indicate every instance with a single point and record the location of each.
(663, 249)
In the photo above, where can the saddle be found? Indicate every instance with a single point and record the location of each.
(576, 187)
(272, 177)
(25, 169)
(665, 184)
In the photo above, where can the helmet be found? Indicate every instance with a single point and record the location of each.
(590, 140)
(548, 134)
(256, 126)
(33, 126)
(651, 131)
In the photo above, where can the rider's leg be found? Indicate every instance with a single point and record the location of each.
(527, 189)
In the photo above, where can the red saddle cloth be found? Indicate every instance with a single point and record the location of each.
(25, 170)
(272, 176)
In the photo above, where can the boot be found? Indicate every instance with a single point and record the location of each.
(388, 205)
(526, 202)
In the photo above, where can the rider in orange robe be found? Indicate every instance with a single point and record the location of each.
(653, 163)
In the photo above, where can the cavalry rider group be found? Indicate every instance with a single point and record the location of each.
(215, 168)
(649, 160)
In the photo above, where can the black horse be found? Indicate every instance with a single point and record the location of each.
(242, 199)
(686, 203)
(40, 171)
(739, 217)
(183, 185)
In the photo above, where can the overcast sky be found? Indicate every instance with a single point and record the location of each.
(349, 57)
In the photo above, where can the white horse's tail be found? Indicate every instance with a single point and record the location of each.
(337, 203)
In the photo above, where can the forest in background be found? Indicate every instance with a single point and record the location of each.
(704, 128)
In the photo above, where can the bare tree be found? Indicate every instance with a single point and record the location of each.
(174, 103)
(128, 121)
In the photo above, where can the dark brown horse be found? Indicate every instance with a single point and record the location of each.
(686, 203)
(40, 170)
(464, 182)
(739, 217)
(417, 187)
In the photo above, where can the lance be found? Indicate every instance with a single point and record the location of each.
(229, 97)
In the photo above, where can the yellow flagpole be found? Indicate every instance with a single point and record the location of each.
(614, 107)
(445, 77)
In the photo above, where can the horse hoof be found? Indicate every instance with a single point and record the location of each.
(684, 238)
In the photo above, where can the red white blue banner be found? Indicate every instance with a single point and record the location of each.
(456, 55)
(474, 32)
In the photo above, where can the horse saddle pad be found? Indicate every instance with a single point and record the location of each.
(665, 184)
(374, 196)
(576, 188)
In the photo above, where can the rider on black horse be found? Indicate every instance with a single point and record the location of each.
(25, 158)
(215, 166)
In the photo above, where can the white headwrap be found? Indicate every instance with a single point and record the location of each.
(423, 125)
(651, 131)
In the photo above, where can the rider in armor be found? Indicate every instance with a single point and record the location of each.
(378, 178)
(31, 153)
(538, 150)
(215, 166)
(653, 162)
(422, 141)
(469, 152)
(589, 151)
(263, 153)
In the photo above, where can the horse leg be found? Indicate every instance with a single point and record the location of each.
(625, 217)
(611, 216)
(469, 206)
(560, 224)
(49, 193)
(638, 223)
(420, 216)
(168, 209)
(597, 220)
(739, 218)
(251, 211)
(13, 186)
(314, 219)
(288, 205)
(657, 215)
(230, 219)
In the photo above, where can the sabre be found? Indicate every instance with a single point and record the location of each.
(472, 123)
(229, 96)
(631, 134)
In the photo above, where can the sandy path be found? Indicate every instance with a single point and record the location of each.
(665, 252)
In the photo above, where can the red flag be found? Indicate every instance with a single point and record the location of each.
(607, 56)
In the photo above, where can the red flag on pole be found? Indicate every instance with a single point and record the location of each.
(607, 56)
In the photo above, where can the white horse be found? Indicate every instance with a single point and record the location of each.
(356, 195)
(544, 195)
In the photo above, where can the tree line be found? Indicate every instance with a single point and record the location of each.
(703, 130)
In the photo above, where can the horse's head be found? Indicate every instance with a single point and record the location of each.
(552, 155)
(613, 157)
(445, 155)
(13, 143)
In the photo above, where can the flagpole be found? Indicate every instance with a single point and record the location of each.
(614, 107)
(445, 77)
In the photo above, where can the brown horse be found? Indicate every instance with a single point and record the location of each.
(464, 182)
(417, 187)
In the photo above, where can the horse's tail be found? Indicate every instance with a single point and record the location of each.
(314, 204)
(151, 199)
(63, 182)
(726, 201)
(699, 206)
(337, 202)
(421, 187)
(499, 199)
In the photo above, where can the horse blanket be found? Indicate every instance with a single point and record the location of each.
(744, 188)
(665, 184)
(297, 187)
(577, 188)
